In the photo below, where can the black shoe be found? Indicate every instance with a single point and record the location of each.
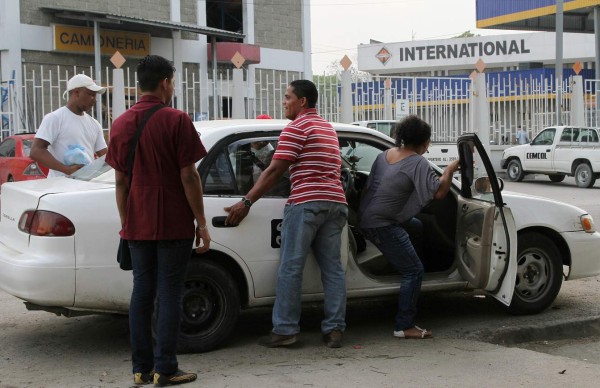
(274, 340)
(143, 378)
(333, 339)
(179, 377)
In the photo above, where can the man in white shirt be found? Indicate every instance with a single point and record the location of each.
(70, 127)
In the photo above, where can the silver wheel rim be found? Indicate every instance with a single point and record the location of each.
(534, 274)
(513, 170)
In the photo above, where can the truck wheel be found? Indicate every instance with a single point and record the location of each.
(539, 274)
(556, 177)
(515, 171)
(210, 307)
(584, 176)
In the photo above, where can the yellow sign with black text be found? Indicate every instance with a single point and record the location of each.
(74, 39)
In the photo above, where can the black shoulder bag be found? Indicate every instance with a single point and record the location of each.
(123, 253)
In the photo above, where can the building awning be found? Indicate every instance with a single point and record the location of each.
(109, 18)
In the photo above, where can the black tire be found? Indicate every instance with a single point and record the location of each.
(210, 307)
(514, 171)
(584, 176)
(556, 177)
(539, 274)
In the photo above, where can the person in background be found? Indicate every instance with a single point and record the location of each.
(521, 136)
(70, 128)
(400, 184)
(157, 210)
(314, 216)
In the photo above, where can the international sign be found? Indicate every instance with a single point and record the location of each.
(401, 109)
(384, 55)
(75, 39)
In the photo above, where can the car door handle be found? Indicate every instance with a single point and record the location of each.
(219, 222)
(547, 150)
(465, 207)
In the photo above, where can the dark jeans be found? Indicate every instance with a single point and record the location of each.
(159, 268)
(395, 244)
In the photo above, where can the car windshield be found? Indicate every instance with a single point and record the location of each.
(92, 170)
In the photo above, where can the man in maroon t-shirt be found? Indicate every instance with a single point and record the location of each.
(158, 204)
(314, 216)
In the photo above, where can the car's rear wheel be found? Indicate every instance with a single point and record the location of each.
(514, 171)
(584, 176)
(210, 307)
(556, 177)
(539, 274)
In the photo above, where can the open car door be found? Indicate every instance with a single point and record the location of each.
(486, 236)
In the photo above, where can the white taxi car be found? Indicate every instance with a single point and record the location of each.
(59, 236)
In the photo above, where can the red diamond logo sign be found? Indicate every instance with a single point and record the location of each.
(383, 55)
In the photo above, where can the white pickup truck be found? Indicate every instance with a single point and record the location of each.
(557, 152)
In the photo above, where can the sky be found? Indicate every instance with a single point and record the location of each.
(339, 26)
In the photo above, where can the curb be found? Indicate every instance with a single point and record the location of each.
(565, 329)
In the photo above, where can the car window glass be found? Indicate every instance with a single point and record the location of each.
(546, 137)
(27, 146)
(7, 148)
(566, 134)
(384, 128)
(239, 166)
(359, 154)
(588, 135)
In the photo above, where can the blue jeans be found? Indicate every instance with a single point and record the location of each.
(159, 268)
(317, 225)
(394, 242)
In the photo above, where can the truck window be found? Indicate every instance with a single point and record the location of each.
(567, 135)
(546, 137)
(588, 135)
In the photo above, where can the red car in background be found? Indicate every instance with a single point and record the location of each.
(15, 163)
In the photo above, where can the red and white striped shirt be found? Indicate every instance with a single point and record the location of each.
(312, 146)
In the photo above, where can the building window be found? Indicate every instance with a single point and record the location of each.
(225, 15)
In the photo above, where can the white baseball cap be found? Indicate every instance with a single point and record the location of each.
(83, 81)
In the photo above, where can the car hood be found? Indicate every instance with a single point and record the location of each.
(515, 150)
(531, 210)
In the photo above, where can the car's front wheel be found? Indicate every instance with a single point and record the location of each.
(514, 170)
(539, 274)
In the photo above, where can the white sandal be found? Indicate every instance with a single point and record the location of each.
(424, 334)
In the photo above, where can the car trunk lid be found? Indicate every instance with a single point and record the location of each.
(16, 198)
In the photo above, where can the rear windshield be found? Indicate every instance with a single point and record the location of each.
(92, 170)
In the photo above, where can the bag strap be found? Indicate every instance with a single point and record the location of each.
(136, 139)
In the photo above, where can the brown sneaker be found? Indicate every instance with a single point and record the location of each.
(333, 339)
(143, 378)
(275, 340)
(179, 377)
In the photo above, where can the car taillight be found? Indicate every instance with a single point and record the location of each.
(45, 223)
(33, 169)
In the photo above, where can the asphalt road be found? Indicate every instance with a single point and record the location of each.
(39, 349)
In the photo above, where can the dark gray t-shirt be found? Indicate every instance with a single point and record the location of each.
(397, 191)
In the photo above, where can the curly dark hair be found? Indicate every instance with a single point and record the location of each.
(151, 70)
(412, 131)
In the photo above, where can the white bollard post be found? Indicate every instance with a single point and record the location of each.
(237, 99)
(346, 99)
(577, 102)
(118, 93)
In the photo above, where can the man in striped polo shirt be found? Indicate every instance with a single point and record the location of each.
(314, 216)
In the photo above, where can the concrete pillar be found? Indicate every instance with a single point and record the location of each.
(203, 62)
(577, 102)
(11, 71)
(306, 39)
(178, 63)
(387, 100)
(98, 68)
(480, 117)
(346, 98)
(248, 16)
(237, 98)
(118, 93)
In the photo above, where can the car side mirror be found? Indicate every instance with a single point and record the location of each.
(483, 186)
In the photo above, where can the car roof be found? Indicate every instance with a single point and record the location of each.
(214, 130)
